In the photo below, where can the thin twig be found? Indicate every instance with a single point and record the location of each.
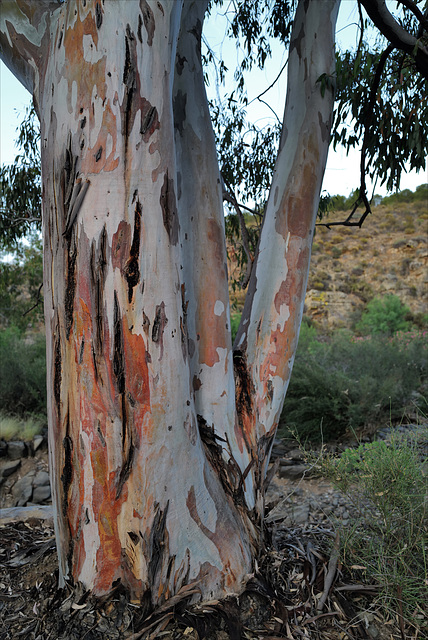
(36, 304)
(230, 197)
(271, 85)
(269, 107)
(331, 573)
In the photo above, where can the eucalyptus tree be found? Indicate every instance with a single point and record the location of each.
(160, 430)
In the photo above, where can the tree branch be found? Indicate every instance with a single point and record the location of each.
(24, 37)
(397, 36)
(360, 42)
(267, 336)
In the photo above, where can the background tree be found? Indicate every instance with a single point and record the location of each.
(20, 187)
(160, 433)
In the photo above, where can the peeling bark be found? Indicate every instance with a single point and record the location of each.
(159, 433)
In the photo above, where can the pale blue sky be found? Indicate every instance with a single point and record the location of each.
(342, 172)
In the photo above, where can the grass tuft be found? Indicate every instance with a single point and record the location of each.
(13, 428)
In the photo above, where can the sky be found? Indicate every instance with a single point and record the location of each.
(342, 171)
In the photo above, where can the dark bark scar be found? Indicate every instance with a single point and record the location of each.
(67, 470)
(70, 286)
(149, 21)
(98, 15)
(158, 542)
(132, 266)
(169, 209)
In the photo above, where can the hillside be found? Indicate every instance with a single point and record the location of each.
(349, 266)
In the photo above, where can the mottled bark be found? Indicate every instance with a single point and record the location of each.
(159, 434)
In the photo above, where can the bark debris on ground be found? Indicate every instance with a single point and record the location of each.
(299, 591)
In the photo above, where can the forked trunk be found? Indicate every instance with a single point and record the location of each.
(159, 433)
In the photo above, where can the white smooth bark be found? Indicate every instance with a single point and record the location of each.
(200, 204)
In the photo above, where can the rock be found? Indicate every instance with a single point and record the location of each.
(289, 514)
(23, 514)
(286, 462)
(3, 448)
(41, 479)
(8, 468)
(37, 442)
(373, 631)
(41, 494)
(296, 454)
(22, 490)
(292, 472)
(16, 449)
(298, 491)
(298, 514)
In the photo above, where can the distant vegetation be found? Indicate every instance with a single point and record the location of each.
(384, 316)
(344, 384)
(21, 278)
(22, 373)
(343, 203)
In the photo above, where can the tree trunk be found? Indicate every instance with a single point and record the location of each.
(159, 433)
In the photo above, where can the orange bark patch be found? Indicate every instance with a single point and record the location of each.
(276, 361)
(296, 209)
(107, 512)
(283, 295)
(212, 329)
(216, 238)
(121, 243)
(137, 373)
(95, 159)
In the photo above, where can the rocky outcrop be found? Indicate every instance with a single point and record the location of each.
(24, 477)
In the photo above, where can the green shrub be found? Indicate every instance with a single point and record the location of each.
(22, 373)
(348, 383)
(387, 536)
(384, 315)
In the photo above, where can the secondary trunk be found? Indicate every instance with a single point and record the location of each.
(159, 433)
